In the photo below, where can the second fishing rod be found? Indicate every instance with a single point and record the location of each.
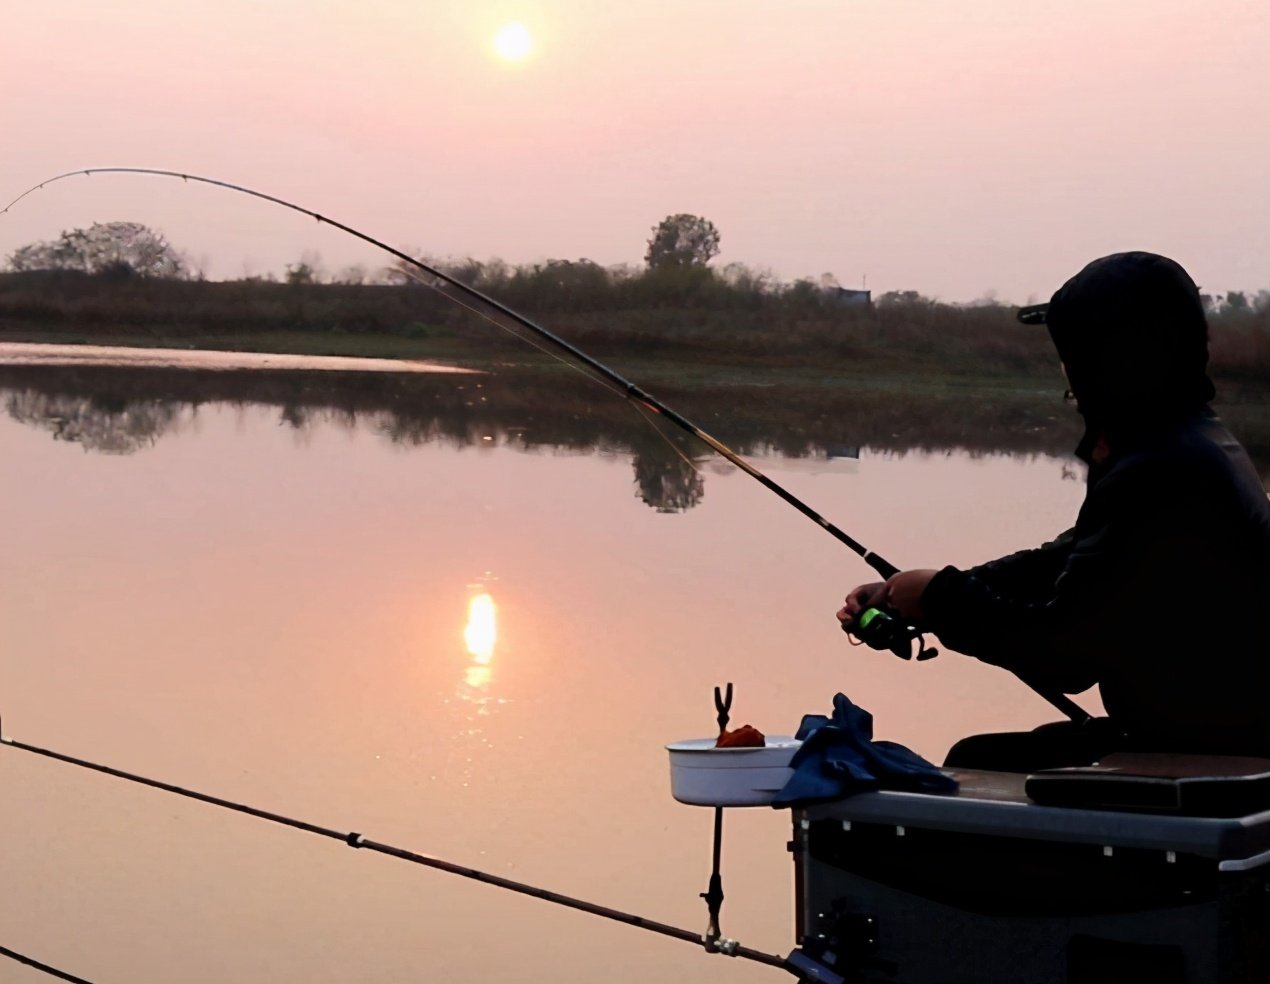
(877, 628)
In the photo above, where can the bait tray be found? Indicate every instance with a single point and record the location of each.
(702, 775)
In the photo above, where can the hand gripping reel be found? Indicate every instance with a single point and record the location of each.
(880, 629)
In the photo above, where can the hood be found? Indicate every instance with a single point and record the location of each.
(1132, 335)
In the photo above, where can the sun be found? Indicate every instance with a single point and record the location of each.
(513, 42)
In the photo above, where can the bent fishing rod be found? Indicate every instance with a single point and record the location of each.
(886, 635)
(632, 392)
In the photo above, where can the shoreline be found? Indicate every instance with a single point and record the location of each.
(715, 369)
(797, 410)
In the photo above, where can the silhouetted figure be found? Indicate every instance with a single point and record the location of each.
(1159, 592)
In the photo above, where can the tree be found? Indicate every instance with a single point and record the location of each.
(116, 248)
(307, 271)
(1237, 300)
(682, 241)
(302, 273)
(902, 297)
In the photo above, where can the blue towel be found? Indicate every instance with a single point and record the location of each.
(839, 757)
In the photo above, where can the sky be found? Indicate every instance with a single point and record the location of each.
(984, 148)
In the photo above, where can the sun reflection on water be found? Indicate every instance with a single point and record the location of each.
(481, 632)
(480, 635)
(477, 677)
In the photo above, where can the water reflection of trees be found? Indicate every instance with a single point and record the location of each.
(118, 410)
(97, 423)
(666, 477)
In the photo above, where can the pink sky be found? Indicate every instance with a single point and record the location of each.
(955, 149)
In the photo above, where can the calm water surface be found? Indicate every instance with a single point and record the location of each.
(273, 610)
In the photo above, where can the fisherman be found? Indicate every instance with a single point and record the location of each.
(1160, 592)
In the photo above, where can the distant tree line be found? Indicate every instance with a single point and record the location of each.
(676, 270)
(124, 280)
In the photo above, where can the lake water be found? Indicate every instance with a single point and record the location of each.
(268, 603)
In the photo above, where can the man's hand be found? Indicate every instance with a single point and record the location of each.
(901, 593)
(861, 598)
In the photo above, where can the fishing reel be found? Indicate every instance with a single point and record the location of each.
(880, 629)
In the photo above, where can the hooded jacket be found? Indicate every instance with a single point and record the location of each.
(1159, 594)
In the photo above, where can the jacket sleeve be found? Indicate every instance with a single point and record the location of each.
(1058, 634)
(1028, 573)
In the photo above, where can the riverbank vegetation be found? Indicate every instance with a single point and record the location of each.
(688, 317)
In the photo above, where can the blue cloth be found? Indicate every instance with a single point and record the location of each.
(839, 757)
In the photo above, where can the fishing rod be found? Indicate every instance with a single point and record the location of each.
(632, 392)
(795, 963)
(43, 968)
(881, 631)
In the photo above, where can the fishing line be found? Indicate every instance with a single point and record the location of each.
(624, 386)
(530, 340)
(519, 336)
(725, 946)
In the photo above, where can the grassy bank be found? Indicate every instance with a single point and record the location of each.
(642, 322)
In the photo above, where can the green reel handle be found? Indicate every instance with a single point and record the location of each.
(880, 629)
